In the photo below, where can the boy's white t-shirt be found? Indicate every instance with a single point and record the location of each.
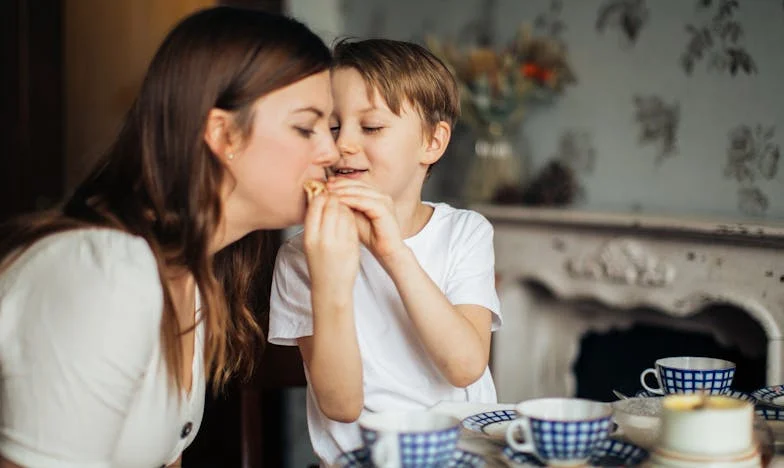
(455, 248)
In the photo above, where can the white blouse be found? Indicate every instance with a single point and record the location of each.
(83, 382)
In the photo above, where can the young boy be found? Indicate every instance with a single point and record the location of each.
(424, 304)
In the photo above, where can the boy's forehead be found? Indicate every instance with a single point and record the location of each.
(345, 80)
(374, 96)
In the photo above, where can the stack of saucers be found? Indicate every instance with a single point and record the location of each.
(699, 431)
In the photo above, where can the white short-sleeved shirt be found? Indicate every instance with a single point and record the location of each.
(455, 248)
(83, 382)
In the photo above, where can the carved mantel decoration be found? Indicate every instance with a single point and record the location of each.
(622, 261)
(626, 262)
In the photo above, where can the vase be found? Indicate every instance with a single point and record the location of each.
(496, 164)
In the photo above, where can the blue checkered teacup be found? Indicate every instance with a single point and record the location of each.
(409, 439)
(690, 375)
(560, 431)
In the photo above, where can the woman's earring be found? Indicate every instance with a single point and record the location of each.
(230, 156)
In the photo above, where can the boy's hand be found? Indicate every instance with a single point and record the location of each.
(375, 214)
(331, 246)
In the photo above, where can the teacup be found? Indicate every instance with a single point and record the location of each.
(560, 431)
(409, 439)
(690, 375)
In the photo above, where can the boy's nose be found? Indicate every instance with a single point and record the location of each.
(347, 142)
(345, 146)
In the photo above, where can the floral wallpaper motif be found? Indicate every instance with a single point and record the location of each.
(575, 154)
(658, 122)
(752, 201)
(550, 23)
(752, 156)
(576, 150)
(628, 16)
(717, 40)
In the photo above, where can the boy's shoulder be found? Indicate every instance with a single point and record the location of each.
(459, 218)
(293, 246)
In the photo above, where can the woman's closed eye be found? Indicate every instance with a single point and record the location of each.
(371, 129)
(305, 132)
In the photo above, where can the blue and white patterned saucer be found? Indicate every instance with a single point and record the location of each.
(770, 413)
(773, 394)
(770, 395)
(360, 458)
(609, 452)
(729, 393)
(491, 423)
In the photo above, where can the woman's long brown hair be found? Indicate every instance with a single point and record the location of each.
(159, 180)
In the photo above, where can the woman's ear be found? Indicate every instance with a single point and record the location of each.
(437, 144)
(221, 136)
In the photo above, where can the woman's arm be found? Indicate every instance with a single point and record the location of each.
(85, 311)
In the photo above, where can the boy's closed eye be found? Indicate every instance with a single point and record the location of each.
(334, 126)
(371, 129)
(368, 129)
(335, 131)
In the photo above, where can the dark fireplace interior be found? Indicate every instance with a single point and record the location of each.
(614, 360)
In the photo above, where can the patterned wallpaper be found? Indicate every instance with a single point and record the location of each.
(679, 105)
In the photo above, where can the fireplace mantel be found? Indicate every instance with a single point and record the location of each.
(675, 265)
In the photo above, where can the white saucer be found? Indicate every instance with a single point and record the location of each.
(663, 458)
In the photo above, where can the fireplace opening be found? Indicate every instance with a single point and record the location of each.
(612, 359)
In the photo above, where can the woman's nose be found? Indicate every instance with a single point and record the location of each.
(328, 154)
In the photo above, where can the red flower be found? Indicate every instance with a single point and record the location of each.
(534, 71)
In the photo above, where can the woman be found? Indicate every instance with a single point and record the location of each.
(116, 310)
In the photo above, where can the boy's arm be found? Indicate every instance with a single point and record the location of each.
(332, 358)
(457, 338)
(331, 354)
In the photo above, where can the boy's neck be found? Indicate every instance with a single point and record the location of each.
(412, 216)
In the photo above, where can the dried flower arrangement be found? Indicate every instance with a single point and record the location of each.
(497, 84)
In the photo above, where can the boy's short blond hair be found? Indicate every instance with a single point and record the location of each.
(404, 71)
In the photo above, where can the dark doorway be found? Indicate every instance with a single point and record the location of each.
(614, 360)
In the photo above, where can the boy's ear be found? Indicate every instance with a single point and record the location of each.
(437, 144)
(221, 136)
